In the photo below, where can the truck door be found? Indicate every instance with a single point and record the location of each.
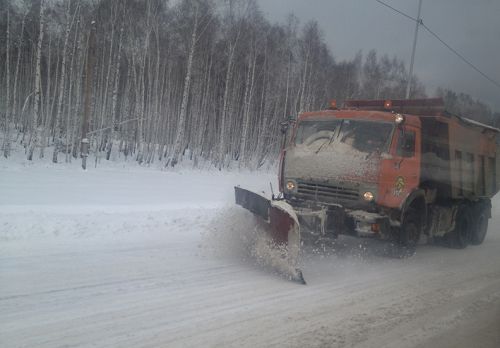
(400, 172)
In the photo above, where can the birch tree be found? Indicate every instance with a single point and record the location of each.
(35, 131)
(114, 105)
(6, 143)
(185, 95)
(69, 20)
(16, 93)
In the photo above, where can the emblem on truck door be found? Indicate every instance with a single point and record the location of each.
(399, 186)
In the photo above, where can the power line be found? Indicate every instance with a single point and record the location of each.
(465, 60)
(461, 56)
(396, 10)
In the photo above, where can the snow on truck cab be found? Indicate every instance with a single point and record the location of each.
(389, 169)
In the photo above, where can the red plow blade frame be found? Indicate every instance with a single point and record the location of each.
(282, 226)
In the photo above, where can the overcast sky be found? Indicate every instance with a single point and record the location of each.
(471, 27)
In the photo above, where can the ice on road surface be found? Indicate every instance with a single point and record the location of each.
(123, 257)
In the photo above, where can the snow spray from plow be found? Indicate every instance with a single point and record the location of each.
(282, 227)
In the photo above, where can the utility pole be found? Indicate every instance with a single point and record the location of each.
(88, 95)
(410, 75)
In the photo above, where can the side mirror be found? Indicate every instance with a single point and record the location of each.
(285, 125)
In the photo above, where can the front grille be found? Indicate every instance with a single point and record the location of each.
(335, 192)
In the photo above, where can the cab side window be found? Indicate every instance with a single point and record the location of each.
(406, 144)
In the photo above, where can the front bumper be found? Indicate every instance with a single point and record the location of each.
(370, 224)
(333, 220)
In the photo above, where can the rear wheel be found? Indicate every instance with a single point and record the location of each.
(478, 231)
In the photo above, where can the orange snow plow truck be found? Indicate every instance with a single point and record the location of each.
(389, 169)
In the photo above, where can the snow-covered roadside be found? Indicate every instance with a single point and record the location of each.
(48, 202)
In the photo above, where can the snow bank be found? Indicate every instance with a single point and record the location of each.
(41, 200)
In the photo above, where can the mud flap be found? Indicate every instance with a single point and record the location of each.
(282, 227)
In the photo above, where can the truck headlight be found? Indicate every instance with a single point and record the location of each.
(290, 185)
(368, 196)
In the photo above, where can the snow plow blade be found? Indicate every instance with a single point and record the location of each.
(282, 226)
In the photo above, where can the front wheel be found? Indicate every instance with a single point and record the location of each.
(408, 235)
(410, 230)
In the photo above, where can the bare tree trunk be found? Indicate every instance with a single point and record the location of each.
(79, 74)
(75, 51)
(6, 142)
(304, 82)
(185, 96)
(142, 88)
(104, 106)
(285, 108)
(249, 85)
(35, 131)
(114, 116)
(46, 101)
(16, 74)
(58, 128)
(139, 107)
(229, 75)
(53, 104)
(204, 124)
(263, 115)
(88, 95)
(156, 104)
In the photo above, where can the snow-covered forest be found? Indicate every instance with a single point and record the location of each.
(153, 80)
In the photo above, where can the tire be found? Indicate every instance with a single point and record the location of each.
(408, 234)
(479, 228)
(410, 229)
(461, 235)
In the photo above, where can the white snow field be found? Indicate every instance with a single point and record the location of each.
(123, 257)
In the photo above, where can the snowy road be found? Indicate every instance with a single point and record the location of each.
(138, 258)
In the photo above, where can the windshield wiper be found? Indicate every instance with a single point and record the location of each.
(329, 141)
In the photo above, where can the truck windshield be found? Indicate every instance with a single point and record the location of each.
(310, 132)
(364, 136)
